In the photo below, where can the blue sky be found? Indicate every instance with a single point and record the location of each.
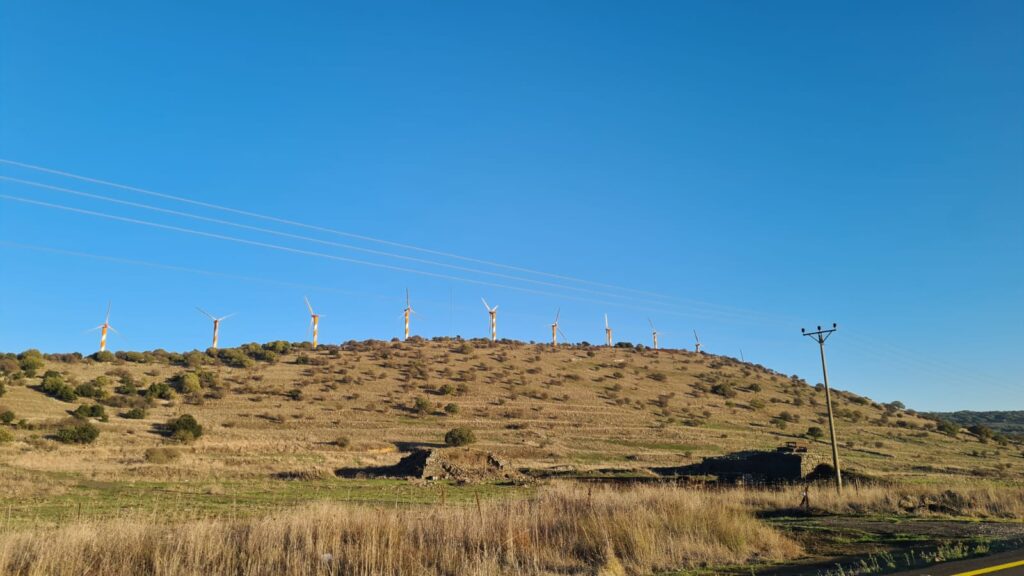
(753, 167)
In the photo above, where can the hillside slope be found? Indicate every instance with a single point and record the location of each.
(278, 408)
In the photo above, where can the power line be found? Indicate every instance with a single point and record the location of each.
(319, 241)
(328, 256)
(325, 229)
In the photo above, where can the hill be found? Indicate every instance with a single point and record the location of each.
(1010, 422)
(284, 409)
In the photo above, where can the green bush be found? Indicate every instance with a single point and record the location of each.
(6, 436)
(188, 383)
(77, 433)
(93, 388)
(159, 390)
(104, 356)
(452, 408)
(53, 384)
(7, 416)
(460, 436)
(86, 411)
(446, 390)
(815, 432)
(9, 366)
(421, 405)
(184, 428)
(135, 414)
(30, 361)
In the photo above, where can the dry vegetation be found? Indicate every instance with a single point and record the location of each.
(561, 531)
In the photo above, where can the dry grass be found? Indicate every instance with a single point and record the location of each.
(564, 530)
(954, 498)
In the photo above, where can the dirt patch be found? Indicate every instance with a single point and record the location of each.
(458, 464)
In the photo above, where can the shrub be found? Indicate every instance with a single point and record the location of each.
(135, 414)
(104, 356)
(984, 433)
(815, 432)
(159, 390)
(184, 428)
(452, 408)
(188, 383)
(162, 454)
(295, 394)
(7, 416)
(29, 363)
(724, 390)
(446, 390)
(86, 411)
(459, 437)
(53, 384)
(94, 388)
(77, 432)
(342, 442)
(6, 436)
(946, 427)
(9, 366)
(421, 405)
(658, 376)
(3, 389)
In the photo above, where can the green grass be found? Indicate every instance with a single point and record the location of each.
(85, 498)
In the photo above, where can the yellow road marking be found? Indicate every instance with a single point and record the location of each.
(991, 569)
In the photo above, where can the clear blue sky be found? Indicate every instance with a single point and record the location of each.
(763, 165)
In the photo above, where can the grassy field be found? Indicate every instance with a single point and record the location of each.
(279, 420)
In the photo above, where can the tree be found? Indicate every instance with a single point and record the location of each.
(77, 432)
(815, 432)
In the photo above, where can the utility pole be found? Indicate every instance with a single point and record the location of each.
(821, 336)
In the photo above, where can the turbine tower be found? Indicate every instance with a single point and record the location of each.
(654, 333)
(314, 322)
(607, 332)
(216, 324)
(554, 329)
(696, 345)
(408, 310)
(493, 314)
(103, 330)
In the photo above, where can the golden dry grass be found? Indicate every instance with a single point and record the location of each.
(563, 530)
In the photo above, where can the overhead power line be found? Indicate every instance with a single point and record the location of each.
(363, 237)
(334, 257)
(279, 233)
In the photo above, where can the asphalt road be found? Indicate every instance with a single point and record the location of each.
(1010, 563)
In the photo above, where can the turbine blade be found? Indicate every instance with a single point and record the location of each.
(308, 305)
(606, 321)
(407, 298)
(485, 304)
(557, 314)
(223, 318)
(114, 330)
(206, 313)
(108, 312)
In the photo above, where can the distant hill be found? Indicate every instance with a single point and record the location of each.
(1005, 421)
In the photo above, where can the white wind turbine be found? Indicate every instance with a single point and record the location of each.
(492, 314)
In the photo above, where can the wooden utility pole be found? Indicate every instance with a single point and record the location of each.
(821, 336)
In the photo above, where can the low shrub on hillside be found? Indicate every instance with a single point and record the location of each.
(184, 428)
(135, 414)
(6, 416)
(77, 432)
(6, 436)
(86, 411)
(460, 436)
(53, 384)
(159, 390)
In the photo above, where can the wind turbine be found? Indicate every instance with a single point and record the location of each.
(216, 323)
(408, 310)
(696, 345)
(103, 330)
(554, 328)
(493, 314)
(607, 332)
(314, 321)
(654, 333)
